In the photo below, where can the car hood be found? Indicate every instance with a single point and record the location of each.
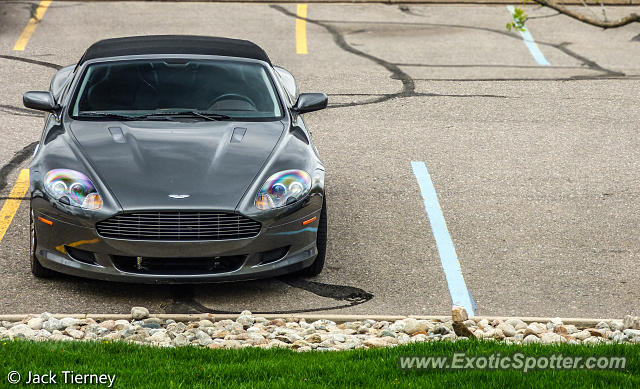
(209, 164)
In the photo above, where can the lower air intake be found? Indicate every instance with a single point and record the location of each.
(177, 266)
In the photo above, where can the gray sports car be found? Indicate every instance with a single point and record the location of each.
(169, 159)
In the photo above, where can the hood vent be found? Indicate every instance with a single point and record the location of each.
(116, 134)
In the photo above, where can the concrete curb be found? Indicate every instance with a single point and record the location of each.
(443, 2)
(578, 322)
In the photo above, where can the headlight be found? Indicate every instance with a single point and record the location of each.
(72, 188)
(283, 188)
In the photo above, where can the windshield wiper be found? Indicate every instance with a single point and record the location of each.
(194, 113)
(160, 115)
(110, 115)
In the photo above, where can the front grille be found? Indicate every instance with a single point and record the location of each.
(178, 266)
(172, 226)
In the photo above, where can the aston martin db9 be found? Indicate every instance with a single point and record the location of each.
(170, 159)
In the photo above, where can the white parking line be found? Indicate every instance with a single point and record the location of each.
(448, 258)
(531, 44)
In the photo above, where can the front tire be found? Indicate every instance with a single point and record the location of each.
(36, 268)
(321, 243)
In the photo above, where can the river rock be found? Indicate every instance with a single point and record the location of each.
(22, 331)
(139, 313)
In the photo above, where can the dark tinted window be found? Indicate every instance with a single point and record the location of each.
(238, 89)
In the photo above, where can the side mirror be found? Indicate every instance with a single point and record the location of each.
(42, 101)
(309, 102)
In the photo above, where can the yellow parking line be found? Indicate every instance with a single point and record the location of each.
(13, 202)
(31, 26)
(301, 30)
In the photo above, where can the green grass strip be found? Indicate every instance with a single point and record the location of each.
(189, 367)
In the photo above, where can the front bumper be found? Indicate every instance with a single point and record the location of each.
(58, 244)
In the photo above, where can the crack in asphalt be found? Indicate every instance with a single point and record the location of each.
(18, 158)
(406, 9)
(184, 299)
(337, 292)
(586, 61)
(544, 16)
(19, 111)
(32, 61)
(32, 8)
(408, 83)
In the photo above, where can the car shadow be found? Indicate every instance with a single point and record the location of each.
(188, 298)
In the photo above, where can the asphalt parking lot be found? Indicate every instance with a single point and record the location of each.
(536, 167)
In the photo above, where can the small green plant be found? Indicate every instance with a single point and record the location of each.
(519, 19)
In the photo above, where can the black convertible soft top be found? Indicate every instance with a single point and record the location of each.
(174, 44)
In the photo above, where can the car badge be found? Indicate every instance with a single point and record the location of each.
(179, 196)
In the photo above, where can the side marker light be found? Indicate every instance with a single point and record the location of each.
(45, 221)
(304, 223)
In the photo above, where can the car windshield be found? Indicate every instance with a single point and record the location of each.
(149, 88)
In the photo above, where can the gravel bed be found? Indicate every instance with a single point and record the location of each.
(249, 330)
